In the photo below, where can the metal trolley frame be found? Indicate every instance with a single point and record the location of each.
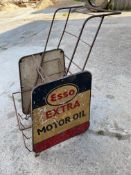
(24, 120)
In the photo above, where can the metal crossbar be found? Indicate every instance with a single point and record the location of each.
(78, 37)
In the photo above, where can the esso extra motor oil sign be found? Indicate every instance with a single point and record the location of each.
(60, 110)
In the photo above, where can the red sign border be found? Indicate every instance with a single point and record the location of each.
(46, 144)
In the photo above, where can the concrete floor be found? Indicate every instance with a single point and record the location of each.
(24, 32)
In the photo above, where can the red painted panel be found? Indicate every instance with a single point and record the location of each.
(60, 137)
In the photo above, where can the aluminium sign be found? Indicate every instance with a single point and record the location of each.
(60, 110)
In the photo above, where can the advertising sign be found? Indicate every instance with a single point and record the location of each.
(60, 110)
(33, 69)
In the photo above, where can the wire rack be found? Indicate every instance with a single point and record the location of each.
(64, 40)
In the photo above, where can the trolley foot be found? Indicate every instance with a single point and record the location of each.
(37, 154)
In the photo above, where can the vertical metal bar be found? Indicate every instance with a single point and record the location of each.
(16, 112)
(64, 28)
(102, 18)
(77, 43)
(25, 142)
(81, 32)
(52, 22)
